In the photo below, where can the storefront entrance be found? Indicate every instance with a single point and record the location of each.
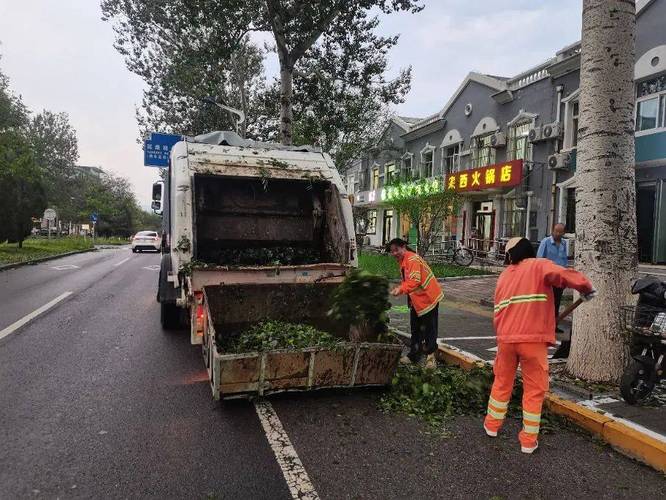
(387, 229)
(483, 226)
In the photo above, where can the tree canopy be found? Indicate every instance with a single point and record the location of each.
(332, 87)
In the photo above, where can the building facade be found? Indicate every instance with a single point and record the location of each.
(508, 145)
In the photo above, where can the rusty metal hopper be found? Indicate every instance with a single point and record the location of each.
(232, 308)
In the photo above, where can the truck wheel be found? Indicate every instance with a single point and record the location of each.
(170, 316)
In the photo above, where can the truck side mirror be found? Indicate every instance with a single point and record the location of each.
(158, 197)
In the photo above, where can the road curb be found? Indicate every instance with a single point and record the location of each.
(627, 440)
(7, 267)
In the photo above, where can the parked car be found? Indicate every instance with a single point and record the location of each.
(146, 240)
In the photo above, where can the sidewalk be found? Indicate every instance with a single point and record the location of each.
(465, 326)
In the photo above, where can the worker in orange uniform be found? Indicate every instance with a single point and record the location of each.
(423, 297)
(525, 327)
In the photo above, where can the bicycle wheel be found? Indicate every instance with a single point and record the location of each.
(463, 257)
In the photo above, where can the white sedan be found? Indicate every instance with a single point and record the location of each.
(146, 240)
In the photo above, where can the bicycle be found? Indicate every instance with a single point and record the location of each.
(452, 252)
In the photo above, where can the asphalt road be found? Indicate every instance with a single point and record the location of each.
(97, 402)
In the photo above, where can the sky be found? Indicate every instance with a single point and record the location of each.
(59, 56)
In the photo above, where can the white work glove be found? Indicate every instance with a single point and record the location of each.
(588, 296)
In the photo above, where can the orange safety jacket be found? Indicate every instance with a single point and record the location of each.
(524, 302)
(419, 283)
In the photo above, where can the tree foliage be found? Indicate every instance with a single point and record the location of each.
(427, 205)
(328, 51)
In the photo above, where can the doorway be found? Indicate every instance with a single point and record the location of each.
(387, 227)
(483, 227)
(645, 205)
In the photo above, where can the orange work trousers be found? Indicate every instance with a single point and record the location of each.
(533, 360)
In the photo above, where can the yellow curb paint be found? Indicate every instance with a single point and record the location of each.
(635, 444)
(623, 438)
(583, 417)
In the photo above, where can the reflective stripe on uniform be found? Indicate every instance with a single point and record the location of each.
(415, 275)
(530, 429)
(497, 404)
(427, 280)
(519, 299)
(431, 306)
(495, 414)
(534, 418)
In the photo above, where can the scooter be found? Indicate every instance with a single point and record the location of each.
(646, 323)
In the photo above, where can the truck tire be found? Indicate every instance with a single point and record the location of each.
(170, 316)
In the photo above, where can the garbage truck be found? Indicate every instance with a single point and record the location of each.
(257, 231)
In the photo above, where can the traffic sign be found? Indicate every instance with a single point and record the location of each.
(156, 149)
(93, 217)
(50, 214)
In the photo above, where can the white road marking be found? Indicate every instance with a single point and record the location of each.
(121, 262)
(25, 319)
(65, 267)
(293, 471)
(154, 267)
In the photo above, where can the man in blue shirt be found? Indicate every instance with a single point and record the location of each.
(554, 248)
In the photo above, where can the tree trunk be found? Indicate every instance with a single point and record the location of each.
(286, 101)
(605, 187)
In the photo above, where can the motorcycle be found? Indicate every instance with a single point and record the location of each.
(646, 323)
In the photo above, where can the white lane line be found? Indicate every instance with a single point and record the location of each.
(25, 319)
(293, 471)
(154, 267)
(121, 262)
(65, 267)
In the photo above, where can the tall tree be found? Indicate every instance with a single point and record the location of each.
(150, 31)
(55, 149)
(21, 186)
(606, 246)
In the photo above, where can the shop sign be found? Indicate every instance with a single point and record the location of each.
(411, 189)
(500, 175)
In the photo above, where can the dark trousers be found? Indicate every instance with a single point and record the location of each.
(557, 293)
(424, 333)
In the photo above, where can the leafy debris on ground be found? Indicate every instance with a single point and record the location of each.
(437, 395)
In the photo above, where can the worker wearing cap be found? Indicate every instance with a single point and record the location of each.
(525, 327)
(423, 296)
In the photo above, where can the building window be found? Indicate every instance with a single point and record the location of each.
(570, 221)
(350, 183)
(387, 233)
(574, 124)
(389, 174)
(518, 143)
(375, 179)
(407, 168)
(652, 86)
(426, 168)
(482, 153)
(372, 222)
(514, 218)
(650, 113)
(451, 159)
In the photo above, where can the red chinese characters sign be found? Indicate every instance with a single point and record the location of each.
(500, 175)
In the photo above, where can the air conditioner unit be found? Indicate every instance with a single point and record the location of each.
(535, 134)
(551, 131)
(498, 140)
(559, 161)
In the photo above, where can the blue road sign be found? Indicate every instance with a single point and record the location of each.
(156, 149)
(93, 217)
